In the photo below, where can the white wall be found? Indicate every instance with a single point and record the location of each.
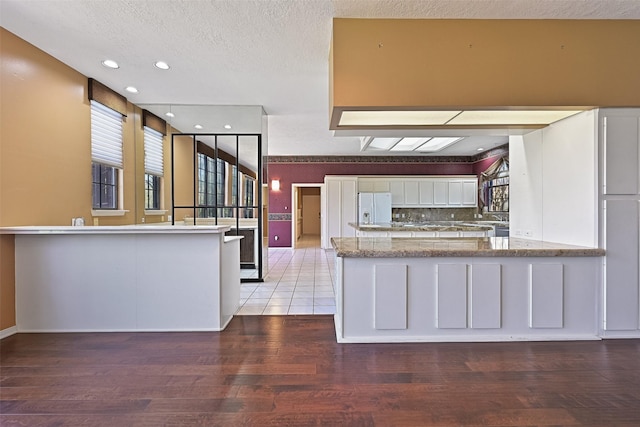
(525, 186)
(553, 177)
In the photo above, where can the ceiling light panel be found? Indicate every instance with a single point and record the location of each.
(409, 144)
(382, 143)
(437, 144)
(396, 118)
(511, 117)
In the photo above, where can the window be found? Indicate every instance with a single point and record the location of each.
(152, 185)
(153, 167)
(105, 186)
(206, 185)
(106, 155)
(248, 196)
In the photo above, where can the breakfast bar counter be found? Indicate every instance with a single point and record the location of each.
(466, 289)
(125, 278)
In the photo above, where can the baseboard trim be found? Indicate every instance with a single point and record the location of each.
(8, 332)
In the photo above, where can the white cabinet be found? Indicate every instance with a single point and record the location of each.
(396, 186)
(620, 218)
(411, 193)
(425, 192)
(340, 208)
(463, 192)
(440, 193)
(373, 185)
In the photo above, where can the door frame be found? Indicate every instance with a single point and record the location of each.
(294, 208)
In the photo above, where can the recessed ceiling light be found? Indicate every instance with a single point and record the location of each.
(198, 126)
(131, 89)
(511, 117)
(479, 149)
(162, 65)
(227, 126)
(170, 114)
(409, 144)
(110, 63)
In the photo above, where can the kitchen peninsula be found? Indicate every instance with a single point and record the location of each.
(125, 278)
(465, 289)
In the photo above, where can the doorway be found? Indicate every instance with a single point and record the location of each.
(306, 223)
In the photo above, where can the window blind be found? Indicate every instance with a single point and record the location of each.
(106, 135)
(153, 152)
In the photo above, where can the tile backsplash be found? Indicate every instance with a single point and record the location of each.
(442, 214)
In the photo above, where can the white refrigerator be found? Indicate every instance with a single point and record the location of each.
(374, 208)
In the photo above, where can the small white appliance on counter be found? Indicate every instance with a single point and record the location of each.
(374, 208)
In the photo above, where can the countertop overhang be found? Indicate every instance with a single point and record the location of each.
(399, 247)
(430, 226)
(117, 229)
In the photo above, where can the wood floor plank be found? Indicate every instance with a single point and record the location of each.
(289, 371)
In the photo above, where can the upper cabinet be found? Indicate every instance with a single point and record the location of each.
(421, 192)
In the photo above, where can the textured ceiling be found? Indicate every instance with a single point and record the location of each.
(270, 53)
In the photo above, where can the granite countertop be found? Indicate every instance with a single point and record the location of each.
(397, 247)
(427, 226)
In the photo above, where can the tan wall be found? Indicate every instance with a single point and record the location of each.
(386, 63)
(45, 150)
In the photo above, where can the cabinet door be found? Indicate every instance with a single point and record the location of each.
(380, 186)
(349, 208)
(411, 193)
(455, 193)
(469, 193)
(621, 270)
(440, 192)
(397, 192)
(365, 185)
(333, 209)
(426, 192)
(621, 138)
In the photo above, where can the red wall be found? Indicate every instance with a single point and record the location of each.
(304, 173)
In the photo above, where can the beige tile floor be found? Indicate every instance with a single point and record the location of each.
(298, 281)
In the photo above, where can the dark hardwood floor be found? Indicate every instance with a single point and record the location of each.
(288, 370)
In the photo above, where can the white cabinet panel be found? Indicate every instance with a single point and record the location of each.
(390, 298)
(440, 193)
(469, 193)
(340, 209)
(621, 265)
(486, 296)
(426, 192)
(380, 186)
(396, 187)
(451, 295)
(365, 185)
(455, 193)
(546, 296)
(373, 185)
(349, 207)
(411, 193)
(621, 139)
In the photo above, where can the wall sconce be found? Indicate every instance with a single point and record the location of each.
(275, 184)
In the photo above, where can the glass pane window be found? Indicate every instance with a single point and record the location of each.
(104, 186)
(152, 184)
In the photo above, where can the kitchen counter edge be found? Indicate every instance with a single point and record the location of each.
(391, 247)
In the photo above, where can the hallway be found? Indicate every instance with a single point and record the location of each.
(298, 281)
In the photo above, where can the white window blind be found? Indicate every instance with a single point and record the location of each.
(153, 152)
(106, 135)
